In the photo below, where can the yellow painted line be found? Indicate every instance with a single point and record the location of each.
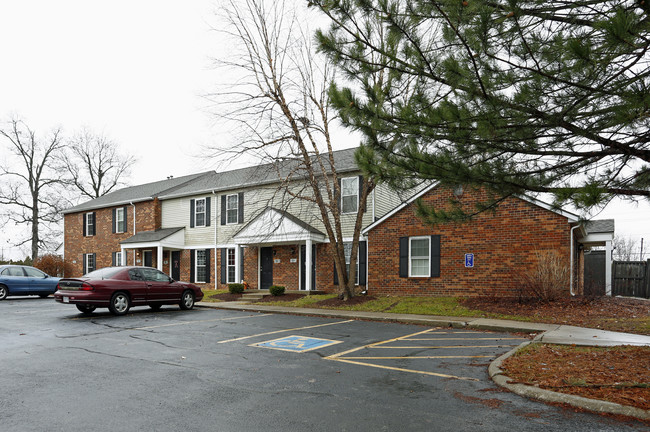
(461, 339)
(402, 369)
(283, 331)
(413, 357)
(436, 347)
(334, 356)
(199, 321)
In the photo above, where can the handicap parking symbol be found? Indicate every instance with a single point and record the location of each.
(469, 260)
(296, 343)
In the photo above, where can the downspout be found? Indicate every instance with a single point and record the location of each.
(571, 255)
(216, 237)
(133, 205)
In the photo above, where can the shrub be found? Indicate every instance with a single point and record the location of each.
(52, 265)
(276, 290)
(548, 280)
(235, 288)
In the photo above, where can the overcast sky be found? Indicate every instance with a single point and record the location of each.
(135, 71)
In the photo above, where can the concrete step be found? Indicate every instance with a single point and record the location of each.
(254, 296)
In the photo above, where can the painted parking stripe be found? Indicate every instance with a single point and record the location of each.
(441, 347)
(417, 357)
(421, 372)
(462, 339)
(297, 343)
(283, 331)
(198, 321)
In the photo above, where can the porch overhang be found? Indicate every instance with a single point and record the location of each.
(170, 238)
(276, 227)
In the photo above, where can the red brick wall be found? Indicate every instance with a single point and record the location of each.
(104, 242)
(503, 242)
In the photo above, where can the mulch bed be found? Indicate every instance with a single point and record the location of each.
(620, 375)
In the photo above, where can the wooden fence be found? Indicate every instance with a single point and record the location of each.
(631, 278)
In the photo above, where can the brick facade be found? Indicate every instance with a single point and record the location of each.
(503, 242)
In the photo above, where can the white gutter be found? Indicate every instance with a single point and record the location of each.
(571, 261)
(133, 229)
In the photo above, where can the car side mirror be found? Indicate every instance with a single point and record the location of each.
(171, 280)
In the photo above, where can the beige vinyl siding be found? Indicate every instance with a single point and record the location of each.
(176, 213)
(386, 199)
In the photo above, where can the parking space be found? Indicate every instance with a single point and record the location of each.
(230, 370)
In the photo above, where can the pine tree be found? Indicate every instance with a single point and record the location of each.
(521, 96)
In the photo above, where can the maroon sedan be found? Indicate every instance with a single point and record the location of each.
(119, 288)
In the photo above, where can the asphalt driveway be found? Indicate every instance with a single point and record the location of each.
(221, 370)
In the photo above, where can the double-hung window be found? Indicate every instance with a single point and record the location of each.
(347, 250)
(199, 212)
(117, 259)
(89, 224)
(90, 262)
(232, 209)
(201, 263)
(349, 194)
(120, 222)
(420, 257)
(230, 266)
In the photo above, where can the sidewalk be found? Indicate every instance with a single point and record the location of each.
(548, 333)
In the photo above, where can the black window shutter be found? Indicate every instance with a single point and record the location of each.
(207, 211)
(85, 218)
(241, 263)
(192, 264)
(363, 209)
(403, 257)
(114, 221)
(113, 258)
(207, 265)
(363, 250)
(126, 219)
(223, 265)
(191, 213)
(240, 209)
(94, 224)
(223, 210)
(435, 256)
(85, 262)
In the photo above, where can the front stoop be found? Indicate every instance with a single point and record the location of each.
(253, 294)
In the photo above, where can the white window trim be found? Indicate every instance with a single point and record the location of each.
(236, 210)
(228, 266)
(428, 256)
(196, 266)
(196, 212)
(118, 212)
(118, 259)
(94, 267)
(356, 179)
(89, 223)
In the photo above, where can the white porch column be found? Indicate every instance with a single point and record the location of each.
(237, 258)
(160, 258)
(123, 254)
(308, 259)
(608, 268)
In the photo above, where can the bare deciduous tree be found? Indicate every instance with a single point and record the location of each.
(279, 104)
(625, 249)
(29, 190)
(95, 164)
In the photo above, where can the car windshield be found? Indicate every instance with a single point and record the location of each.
(105, 273)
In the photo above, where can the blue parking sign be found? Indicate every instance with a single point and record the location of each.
(469, 260)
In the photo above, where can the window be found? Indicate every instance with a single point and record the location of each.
(200, 212)
(13, 271)
(347, 250)
(419, 257)
(232, 209)
(349, 195)
(117, 259)
(32, 272)
(120, 222)
(201, 263)
(89, 224)
(89, 260)
(230, 263)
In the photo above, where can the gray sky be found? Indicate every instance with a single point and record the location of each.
(136, 71)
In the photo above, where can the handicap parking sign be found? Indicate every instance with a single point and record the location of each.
(469, 260)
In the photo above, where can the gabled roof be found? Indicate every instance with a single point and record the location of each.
(276, 227)
(257, 175)
(151, 236)
(599, 226)
(139, 193)
(570, 216)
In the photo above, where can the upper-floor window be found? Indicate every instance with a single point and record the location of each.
(200, 212)
(120, 221)
(232, 208)
(89, 224)
(349, 194)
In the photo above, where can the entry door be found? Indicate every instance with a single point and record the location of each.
(147, 258)
(303, 259)
(176, 265)
(266, 267)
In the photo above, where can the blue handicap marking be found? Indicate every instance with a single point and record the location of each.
(469, 260)
(296, 343)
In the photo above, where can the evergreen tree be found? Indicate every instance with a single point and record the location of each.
(517, 95)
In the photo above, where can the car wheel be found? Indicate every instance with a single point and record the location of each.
(119, 304)
(187, 300)
(86, 308)
(155, 307)
(43, 295)
(3, 292)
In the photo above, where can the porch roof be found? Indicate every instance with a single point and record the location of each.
(166, 237)
(274, 226)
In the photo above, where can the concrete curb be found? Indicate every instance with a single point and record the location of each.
(497, 375)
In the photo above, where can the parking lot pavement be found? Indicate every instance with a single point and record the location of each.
(238, 371)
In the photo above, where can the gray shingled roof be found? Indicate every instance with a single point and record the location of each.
(137, 193)
(151, 236)
(256, 175)
(600, 226)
